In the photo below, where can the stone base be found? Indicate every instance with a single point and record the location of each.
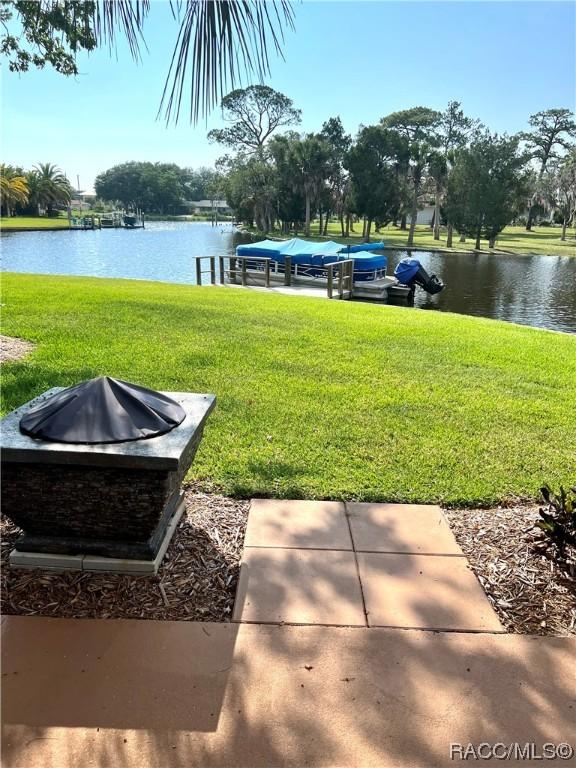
(107, 500)
(116, 545)
(93, 563)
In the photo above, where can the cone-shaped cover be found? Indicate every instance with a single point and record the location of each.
(103, 410)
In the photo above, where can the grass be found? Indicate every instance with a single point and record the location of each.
(541, 240)
(316, 398)
(33, 222)
(44, 222)
(545, 240)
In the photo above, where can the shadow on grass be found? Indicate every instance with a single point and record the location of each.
(269, 473)
(23, 381)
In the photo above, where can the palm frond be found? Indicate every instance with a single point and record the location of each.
(220, 41)
(124, 16)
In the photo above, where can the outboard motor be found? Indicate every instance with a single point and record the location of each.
(410, 272)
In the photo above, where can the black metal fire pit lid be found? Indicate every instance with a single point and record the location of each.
(103, 410)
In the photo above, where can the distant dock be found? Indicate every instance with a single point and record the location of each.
(114, 220)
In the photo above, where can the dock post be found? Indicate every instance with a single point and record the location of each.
(213, 270)
(244, 276)
(221, 267)
(340, 282)
(232, 269)
(288, 270)
(267, 273)
(330, 286)
(351, 276)
(198, 271)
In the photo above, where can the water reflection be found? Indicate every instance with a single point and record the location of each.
(531, 290)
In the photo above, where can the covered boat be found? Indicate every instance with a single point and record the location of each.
(306, 253)
(362, 273)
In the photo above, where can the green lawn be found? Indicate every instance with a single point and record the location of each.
(43, 222)
(545, 240)
(317, 398)
(33, 222)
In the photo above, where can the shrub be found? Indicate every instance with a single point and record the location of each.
(558, 519)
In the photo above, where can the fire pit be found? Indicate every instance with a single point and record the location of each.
(92, 474)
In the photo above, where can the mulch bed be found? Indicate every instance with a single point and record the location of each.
(196, 581)
(530, 591)
(12, 349)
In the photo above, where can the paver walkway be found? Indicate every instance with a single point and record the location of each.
(149, 694)
(388, 565)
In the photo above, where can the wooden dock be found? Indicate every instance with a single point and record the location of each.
(335, 282)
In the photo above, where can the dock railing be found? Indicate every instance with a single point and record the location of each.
(238, 265)
(339, 274)
(344, 278)
(244, 262)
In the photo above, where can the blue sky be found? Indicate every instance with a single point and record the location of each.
(361, 60)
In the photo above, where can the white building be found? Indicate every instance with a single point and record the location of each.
(206, 206)
(425, 216)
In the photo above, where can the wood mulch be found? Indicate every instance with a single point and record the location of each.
(196, 581)
(530, 591)
(12, 349)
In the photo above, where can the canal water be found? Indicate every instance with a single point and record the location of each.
(533, 290)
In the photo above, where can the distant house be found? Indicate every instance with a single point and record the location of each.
(82, 199)
(207, 206)
(425, 215)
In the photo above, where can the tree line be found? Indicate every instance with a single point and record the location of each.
(275, 178)
(27, 192)
(479, 181)
(160, 188)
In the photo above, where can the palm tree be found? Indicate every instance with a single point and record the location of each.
(13, 188)
(311, 157)
(51, 186)
(32, 182)
(216, 45)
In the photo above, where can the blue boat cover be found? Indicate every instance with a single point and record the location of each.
(362, 247)
(316, 254)
(406, 269)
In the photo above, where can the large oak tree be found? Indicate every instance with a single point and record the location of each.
(551, 132)
(486, 186)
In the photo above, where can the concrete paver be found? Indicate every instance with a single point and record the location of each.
(300, 586)
(425, 592)
(300, 524)
(412, 528)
